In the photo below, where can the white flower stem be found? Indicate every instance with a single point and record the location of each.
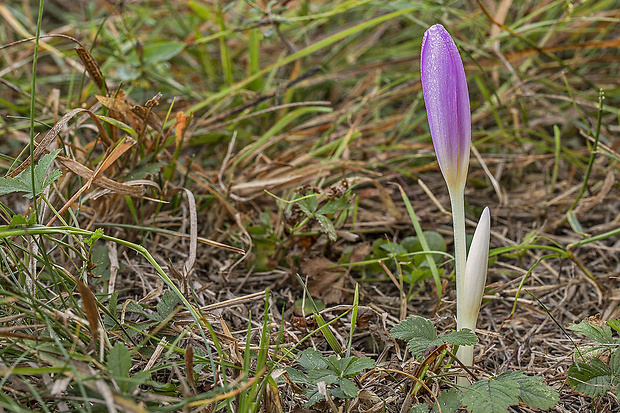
(460, 248)
(457, 199)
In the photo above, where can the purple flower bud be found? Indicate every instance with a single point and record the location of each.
(447, 104)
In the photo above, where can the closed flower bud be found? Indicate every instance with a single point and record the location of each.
(447, 104)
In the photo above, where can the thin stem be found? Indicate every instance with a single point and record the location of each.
(32, 102)
(465, 353)
(460, 249)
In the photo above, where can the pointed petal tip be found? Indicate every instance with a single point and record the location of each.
(484, 223)
(486, 214)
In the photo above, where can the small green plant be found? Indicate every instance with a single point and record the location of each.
(119, 363)
(330, 209)
(420, 335)
(266, 243)
(409, 253)
(596, 367)
(335, 374)
(494, 394)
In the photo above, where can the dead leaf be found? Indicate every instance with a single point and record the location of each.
(360, 252)
(189, 367)
(148, 117)
(90, 308)
(180, 127)
(51, 135)
(364, 315)
(92, 68)
(86, 173)
(324, 279)
(121, 110)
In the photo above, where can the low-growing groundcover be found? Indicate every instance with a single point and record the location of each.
(236, 206)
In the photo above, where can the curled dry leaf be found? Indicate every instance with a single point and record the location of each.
(86, 173)
(121, 110)
(148, 117)
(154, 101)
(51, 135)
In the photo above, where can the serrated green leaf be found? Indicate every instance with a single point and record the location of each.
(614, 362)
(18, 221)
(343, 363)
(119, 363)
(166, 305)
(417, 346)
(532, 391)
(419, 408)
(101, 261)
(335, 205)
(308, 205)
(464, 337)
(313, 396)
(40, 172)
(358, 365)
(449, 401)
(322, 375)
(90, 241)
(348, 389)
(327, 226)
(52, 177)
(311, 359)
(23, 181)
(593, 332)
(416, 275)
(419, 333)
(592, 379)
(10, 185)
(412, 327)
(336, 365)
(133, 307)
(491, 396)
(297, 376)
(615, 324)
